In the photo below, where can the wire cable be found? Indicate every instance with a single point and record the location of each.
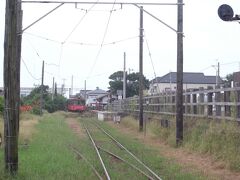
(38, 79)
(150, 56)
(42, 37)
(119, 41)
(103, 39)
(49, 64)
(75, 27)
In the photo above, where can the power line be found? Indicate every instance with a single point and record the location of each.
(104, 35)
(82, 43)
(119, 41)
(34, 49)
(149, 53)
(49, 64)
(42, 37)
(29, 71)
(75, 27)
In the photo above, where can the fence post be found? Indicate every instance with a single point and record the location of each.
(238, 106)
(227, 100)
(201, 101)
(194, 101)
(210, 100)
(217, 101)
(188, 102)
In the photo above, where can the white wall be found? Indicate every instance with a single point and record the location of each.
(161, 87)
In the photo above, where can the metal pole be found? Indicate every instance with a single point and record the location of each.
(41, 108)
(124, 76)
(41, 18)
(72, 86)
(141, 71)
(85, 88)
(98, 3)
(53, 89)
(218, 74)
(179, 94)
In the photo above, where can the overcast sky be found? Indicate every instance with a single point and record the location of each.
(90, 44)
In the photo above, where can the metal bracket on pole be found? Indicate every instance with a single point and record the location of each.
(41, 17)
(170, 27)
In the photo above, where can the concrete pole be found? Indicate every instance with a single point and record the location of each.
(141, 71)
(179, 94)
(124, 76)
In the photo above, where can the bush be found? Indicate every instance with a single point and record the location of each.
(58, 103)
(36, 111)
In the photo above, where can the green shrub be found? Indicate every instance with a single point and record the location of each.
(36, 110)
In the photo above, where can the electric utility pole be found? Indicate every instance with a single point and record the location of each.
(141, 71)
(179, 94)
(12, 55)
(218, 74)
(41, 108)
(124, 76)
(72, 86)
(85, 89)
(53, 89)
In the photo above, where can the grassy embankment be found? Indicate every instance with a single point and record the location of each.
(48, 156)
(218, 139)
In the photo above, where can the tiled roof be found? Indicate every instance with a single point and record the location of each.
(188, 78)
(97, 91)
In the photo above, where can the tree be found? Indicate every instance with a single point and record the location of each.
(33, 99)
(132, 86)
(229, 78)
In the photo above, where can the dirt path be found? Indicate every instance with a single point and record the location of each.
(191, 162)
(75, 126)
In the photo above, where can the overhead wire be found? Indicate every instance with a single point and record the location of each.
(29, 71)
(103, 39)
(149, 53)
(82, 43)
(37, 53)
(119, 41)
(42, 37)
(68, 36)
(79, 22)
(150, 56)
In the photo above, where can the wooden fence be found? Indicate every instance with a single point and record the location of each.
(222, 103)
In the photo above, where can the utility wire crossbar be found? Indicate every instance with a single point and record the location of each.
(119, 3)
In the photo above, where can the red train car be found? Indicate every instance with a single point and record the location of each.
(76, 105)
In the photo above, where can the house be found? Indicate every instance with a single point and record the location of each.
(191, 80)
(92, 97)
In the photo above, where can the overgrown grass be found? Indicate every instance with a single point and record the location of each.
(165, 168)
(1, 124)
(218, 139)
(48, 156)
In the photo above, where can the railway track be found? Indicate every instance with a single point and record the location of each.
(112, 156)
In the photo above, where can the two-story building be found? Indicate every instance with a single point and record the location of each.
(191, 80)
(92, 97)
